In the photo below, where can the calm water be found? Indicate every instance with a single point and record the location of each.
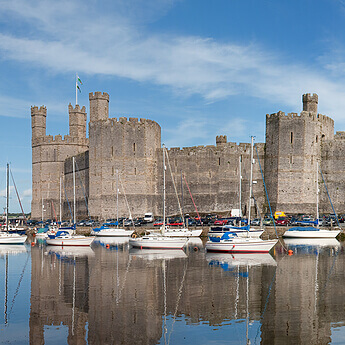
(115, 295)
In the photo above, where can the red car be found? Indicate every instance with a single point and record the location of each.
(282, 221)
(220, 221)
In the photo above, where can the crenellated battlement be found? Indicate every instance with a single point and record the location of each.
(98, 95)
(76, 109)
(221, 139)
(339, 135)
(58, 139)
(230, 147)
(310, 97)
(280, 115)
(131, 121)
(38, 111)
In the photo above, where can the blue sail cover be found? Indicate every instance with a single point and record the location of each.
(303, 228)
(246, 228)
(228, 235)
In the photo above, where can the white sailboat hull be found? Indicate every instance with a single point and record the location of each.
(112, 232)
(6, 238)
(157, 242)
(321, 233)
(170, 232)
(254, 233)
(241, 245)
(70, 241)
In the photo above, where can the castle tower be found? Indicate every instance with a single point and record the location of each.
(48, 157)
(99, 106)
(293, 148)
(77, 121)
(38, 122)
(126, 145)
(310, 102)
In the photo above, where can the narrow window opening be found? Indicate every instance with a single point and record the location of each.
(316, 139)
(134, 147)
(291, 137)
(218, 161)
(135, 171)
(112, 151)
(291, 160)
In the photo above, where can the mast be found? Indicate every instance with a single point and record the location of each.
(60, 201)
(74, 201)
(317, 194)
(7, 194)
(240, 188)
(251, 179)
(163, 230)
(117, 197)
(182, 201)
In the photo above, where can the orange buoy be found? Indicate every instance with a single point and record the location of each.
(107, 246)
(290, 252)
(32, 244)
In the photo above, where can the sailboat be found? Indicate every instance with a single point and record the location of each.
(310, 231)
(231, 242)
(5, 236)
(159, 241)
(184, 231)
(240, 231)
(64, 237)
(106, 231)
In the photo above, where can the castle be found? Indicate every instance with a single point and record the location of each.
(218, 176)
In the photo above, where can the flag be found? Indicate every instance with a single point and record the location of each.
(78, 88)
(79, 80)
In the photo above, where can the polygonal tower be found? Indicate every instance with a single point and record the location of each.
(127, 146)
(48, 157)
(293, 148)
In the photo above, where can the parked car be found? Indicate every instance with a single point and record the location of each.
(255, 222)
(282, 221)
(221, 221)
(158, 222)
(267, 222)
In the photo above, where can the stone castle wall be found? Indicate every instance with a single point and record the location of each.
(213, 177)
(131, 149)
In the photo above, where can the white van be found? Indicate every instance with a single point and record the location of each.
(148, 217)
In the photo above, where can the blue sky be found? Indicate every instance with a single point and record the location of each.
(199, 68)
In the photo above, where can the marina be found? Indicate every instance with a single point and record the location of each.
(111, 293)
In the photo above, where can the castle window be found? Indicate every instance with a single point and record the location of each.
(316, 139)
(291, 160)
(135, 171)
(134, 147)
(291, 137)
(112, 151)
(218, 161)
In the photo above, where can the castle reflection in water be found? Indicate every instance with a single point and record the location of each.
(116, 296)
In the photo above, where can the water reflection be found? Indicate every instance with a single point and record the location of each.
(112, 294)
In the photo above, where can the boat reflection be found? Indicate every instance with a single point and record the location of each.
(12, 249)
(232, 260)
(112, 242)
(311, 245)
(157, 254)
(69, 252)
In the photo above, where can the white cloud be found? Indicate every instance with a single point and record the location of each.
(108, 42)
